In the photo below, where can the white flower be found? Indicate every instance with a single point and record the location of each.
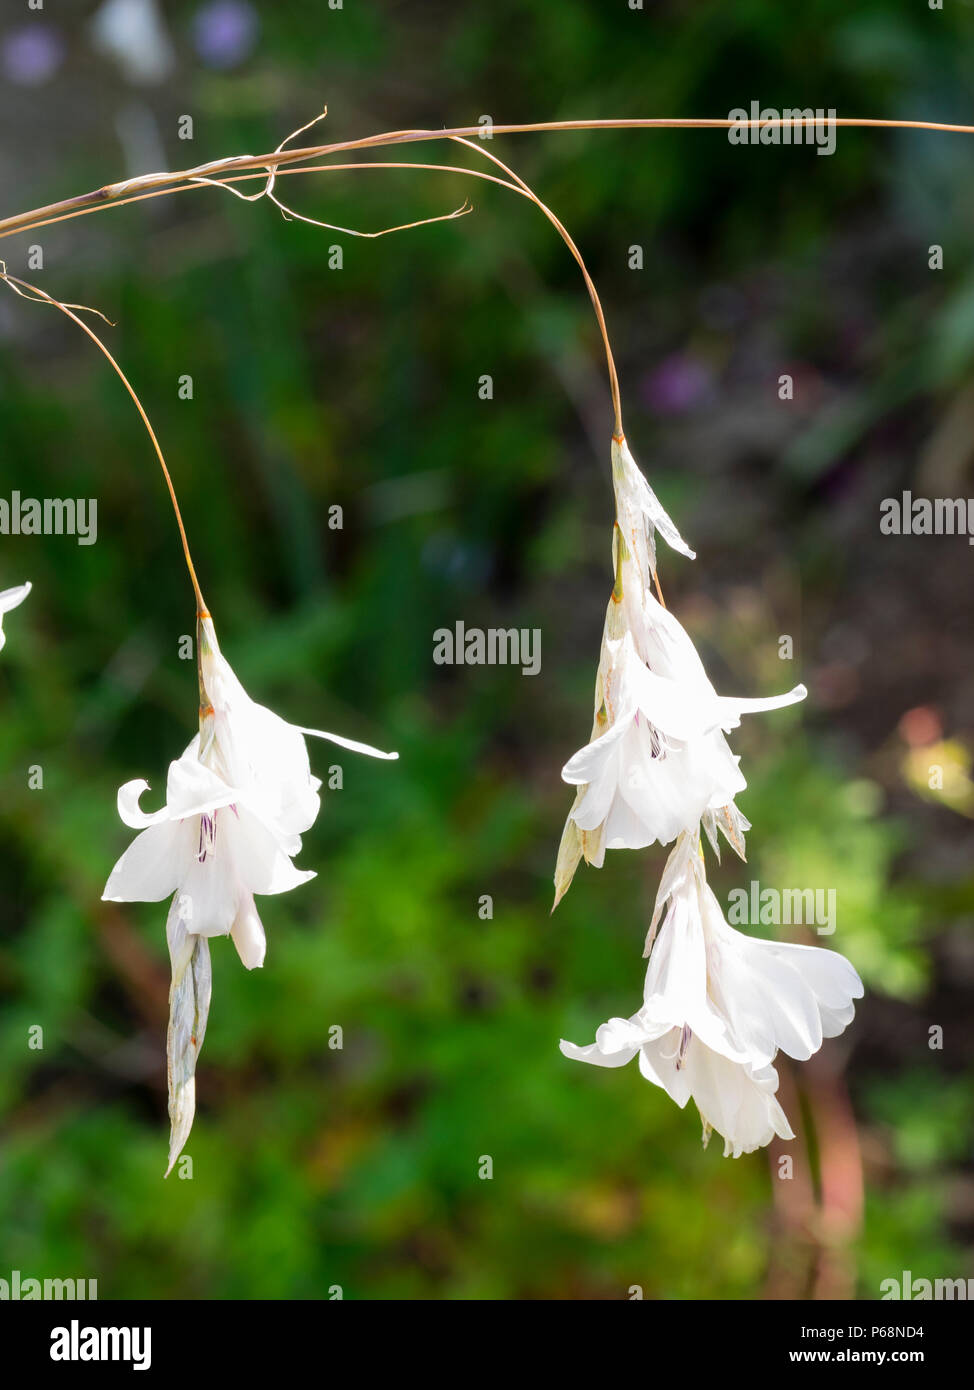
(237, 802)
(662, 761)
(657, 762)
(718, 1006)
(11, 598)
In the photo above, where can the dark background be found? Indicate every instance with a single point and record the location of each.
(358, 1168)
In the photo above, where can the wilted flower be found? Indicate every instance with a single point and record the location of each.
(237, 802)
(11, 598)
(718, 1006)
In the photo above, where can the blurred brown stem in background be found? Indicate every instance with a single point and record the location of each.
(816, 1222)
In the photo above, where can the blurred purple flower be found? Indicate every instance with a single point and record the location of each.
(677, 384)
(32, 54)
(225, 32)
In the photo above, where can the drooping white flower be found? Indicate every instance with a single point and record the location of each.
(237, 802)
(11, 598)
(662, 761)
(718, 1006)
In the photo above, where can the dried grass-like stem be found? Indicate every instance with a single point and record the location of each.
(105, 196)
(32, 292)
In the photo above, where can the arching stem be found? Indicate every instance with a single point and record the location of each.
(28, 291)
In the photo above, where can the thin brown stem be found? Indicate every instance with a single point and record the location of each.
(294, 169)
(589, 283)
(103, 197)
(19, 287)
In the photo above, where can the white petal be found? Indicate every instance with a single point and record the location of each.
(349, 743)
(587, 764)
(676, 708)
(732, 707)
(677, 989)
(152, 866)
(777, 994)
(252, 748)
(737, 1102)
(211, 892)
(192, 789)
(129, 809)
(260, 862)
(657, 1063)
(10, 598)
(247, 934)
(594, 1054)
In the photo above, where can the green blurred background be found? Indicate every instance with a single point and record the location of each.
(315, 387)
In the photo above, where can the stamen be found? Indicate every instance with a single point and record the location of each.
(207, 836)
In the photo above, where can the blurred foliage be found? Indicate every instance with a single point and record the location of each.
(315, 387)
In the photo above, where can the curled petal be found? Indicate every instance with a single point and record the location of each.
(129, 809)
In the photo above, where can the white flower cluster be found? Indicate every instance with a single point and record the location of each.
(717, 1005)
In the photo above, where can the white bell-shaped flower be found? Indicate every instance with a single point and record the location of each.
(718, 1006)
